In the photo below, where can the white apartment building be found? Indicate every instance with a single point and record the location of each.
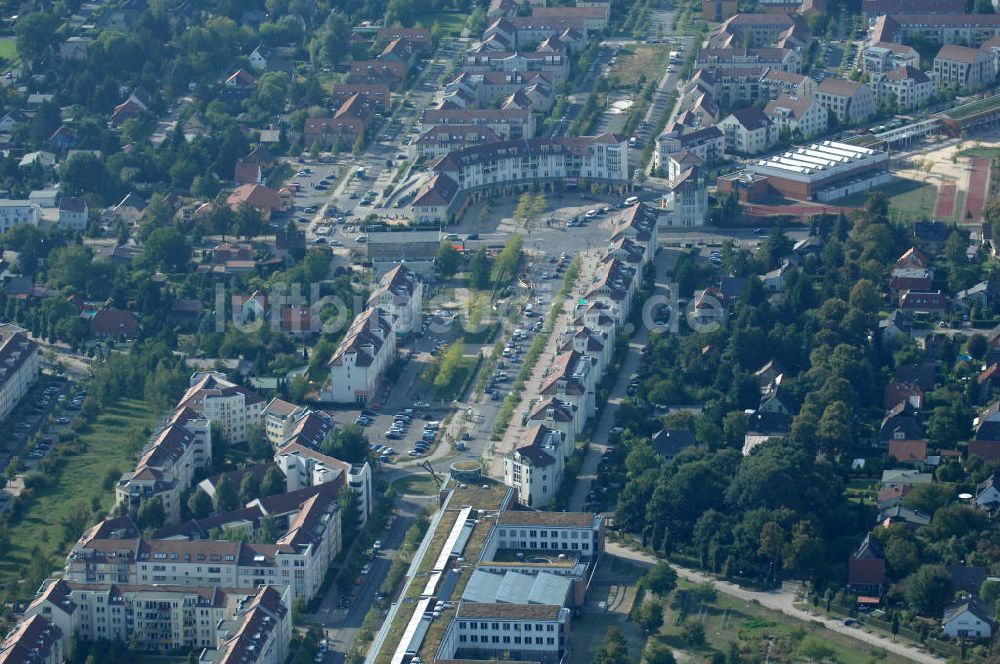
(356, 367)
(748, 131)
(535, 467)
(73, 213)
(157, 618)
(708, 143)
(19, 367)
(906, 87)
(849, 101)
(963, 67)
(687, 198)
(304, 467)
(232, 406)
(400, 294)
(571, 380)
(614, 283)
(168, 465)
(259, 633)
(802, 114)
(507, 123)
(582, 532)
(556, 415)
(602, 158)
(14, 212)
(885, 56)
(299, 560)
(528, 632)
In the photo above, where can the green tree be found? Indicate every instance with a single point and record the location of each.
(248, 223)
(929, 590)
(448, 371)
(658, 653)
(249, 488)
(259, 445)
(37, 34)
(447, 261)
(865, 296)
(479, 269)
(226, 497)
(661, 579)
(273, 484)
(200, 504)
(650, 617)
(151, 514)
(693, 633)
(166, 249)
(977, 346)
(614, 649)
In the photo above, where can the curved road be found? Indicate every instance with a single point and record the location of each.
(782, 601)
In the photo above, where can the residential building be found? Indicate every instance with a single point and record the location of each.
(904, 88)
(988, 492)
(764, 29)
(968, 620)
(400, 294)
(748, 131)
(717, 11)
(19, 367)
(709, 144)
(571, 380)
(34, 640)
(439, 141)
(557, 415)
(260, 631)
(367, 349)
(959, 28)
(668, 443)
(435, 201)
(155, 618)
(377, 96)
(881, 57)
(963, 68)
(279, 417)
(779, 59)
(73, 213)
(687, 198)
(14, 212)
(850, 102)
(535, 467)
(799, 116)
(866, 568)
(482, 61)
(303, 466)
(507, 123)
(872, 8)
(235, 408)
(168, 465)
(774, 82)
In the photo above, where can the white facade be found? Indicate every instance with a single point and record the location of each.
(19, 368)
(535, 467)
(804, 114)
(850, 102)
(14, 212)
(368, 348)
(527, 631)
(963, 622)
(744, 139)
(235, 408)
(400, 294)
(304, 467)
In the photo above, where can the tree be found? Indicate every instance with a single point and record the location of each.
(249, 222)
(151, 514)
(479, 269)
(650, 617)
(259, 445)
(657, 653)
(273, 484)
(200, 504)
(815, 649)
(249, 488)
(37, 34)
(693, 633)
(447, 260)
(929, 590)
(865, 296)
(269, 531)
(805, 549)
(661, 579)
(226, 497)
(977, 346)
(166, 249)
(614, 649)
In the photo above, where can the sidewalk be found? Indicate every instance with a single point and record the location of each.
(783, 601)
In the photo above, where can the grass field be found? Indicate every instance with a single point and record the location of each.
(416, 485)
(78, 483)
(761, 631)
(8, 49)
(909, 198)
(451, 23)
(985, 153)
(638, 60)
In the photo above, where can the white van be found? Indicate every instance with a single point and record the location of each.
(631, 200)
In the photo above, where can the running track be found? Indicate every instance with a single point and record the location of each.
(979, 180)
(945, 208)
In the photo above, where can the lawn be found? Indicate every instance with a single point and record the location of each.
(638, 60)
(764, 632)
(908, 198)
(416, 485)
(451, 23)
(8, 49)
(982, 152)
(78, 483)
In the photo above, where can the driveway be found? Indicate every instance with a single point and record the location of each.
(783, 601)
